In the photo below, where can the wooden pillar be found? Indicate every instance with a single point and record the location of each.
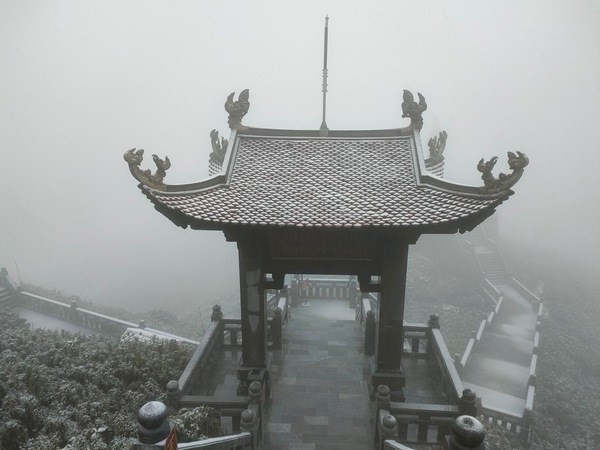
(253, 307)
(394, 253)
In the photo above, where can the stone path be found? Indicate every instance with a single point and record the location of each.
(319, 394)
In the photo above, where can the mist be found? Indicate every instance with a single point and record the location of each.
(82, 82)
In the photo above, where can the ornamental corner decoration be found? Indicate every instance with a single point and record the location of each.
(491, 184)
(238, 109)
(134, 158)
(414, 110)
(437, 145)
(219, 148)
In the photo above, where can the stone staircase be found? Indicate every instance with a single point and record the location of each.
(502, 354)
(492, 266)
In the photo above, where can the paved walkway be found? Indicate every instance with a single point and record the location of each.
(319, 394)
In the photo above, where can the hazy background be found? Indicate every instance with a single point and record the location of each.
(81, 82)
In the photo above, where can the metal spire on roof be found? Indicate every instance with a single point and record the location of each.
(324, 131)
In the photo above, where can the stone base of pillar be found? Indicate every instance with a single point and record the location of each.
(247, 374)
(394, 379)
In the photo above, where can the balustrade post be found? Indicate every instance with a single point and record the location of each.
(277, 328)
(468, 433)
(249, 423)
(370, 334)
(153, 426)
(434, 321)
(294, 293)
(255, 392)
(526, 424)
(467, 404)
(73, 311)
(173, 394)
(382, 397)
(217, 314)
(388, 429)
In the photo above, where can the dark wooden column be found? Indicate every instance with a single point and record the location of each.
(253, 311)
(388, 371)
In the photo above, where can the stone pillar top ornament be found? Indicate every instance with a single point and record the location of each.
(153, 425)
(238, 109)
(467, 433)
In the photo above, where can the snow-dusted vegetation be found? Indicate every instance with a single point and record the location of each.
(59, 390)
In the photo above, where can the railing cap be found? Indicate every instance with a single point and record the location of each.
(173, 386)
(389, 421)
(152, 414)
(254, 388)
(469, 395)
(247, 416)
(383, 390)
(468, 431)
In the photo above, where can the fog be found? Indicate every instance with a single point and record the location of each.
(82, 82)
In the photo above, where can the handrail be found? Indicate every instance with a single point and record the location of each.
(526, 293)
(200, 356)
(230, 442)
(98, 318)
(447, 365)
(393, 445)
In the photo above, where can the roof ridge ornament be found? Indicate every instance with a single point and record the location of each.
(491, 184)
(437, 145)
(238, 109)
(134, 158)
(412, 109)
(219, 148)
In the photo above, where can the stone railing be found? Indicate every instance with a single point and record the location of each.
(494, 294)
(247, 419)
(476, 336)
(399, 423)
(533, 299)
(367, 302)
(7, 282)
(226, 334)
(89, 319)
(330, 288)
(426, 341)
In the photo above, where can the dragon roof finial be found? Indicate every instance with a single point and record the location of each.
(414, 110)
(491, 184)
(437, 145)
(134, 158)
(238, 109)
(219, 147)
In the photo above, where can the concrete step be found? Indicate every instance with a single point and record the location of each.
(498, 375)
(508, 329)
(498, 401)
(506, 348)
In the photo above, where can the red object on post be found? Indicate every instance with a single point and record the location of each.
(171, 442)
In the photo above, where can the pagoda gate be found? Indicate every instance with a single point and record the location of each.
(331, 202)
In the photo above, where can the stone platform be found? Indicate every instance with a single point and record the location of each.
(320, 381)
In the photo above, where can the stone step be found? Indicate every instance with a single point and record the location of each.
(498, 375)
(506, 348)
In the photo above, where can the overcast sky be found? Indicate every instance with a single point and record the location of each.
(81, 82)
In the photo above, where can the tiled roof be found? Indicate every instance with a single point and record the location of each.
(323, 182)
